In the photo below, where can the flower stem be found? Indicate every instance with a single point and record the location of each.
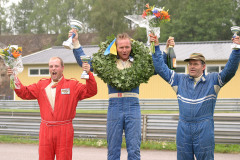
(152, 47)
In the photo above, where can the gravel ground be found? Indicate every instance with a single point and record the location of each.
(30, 152)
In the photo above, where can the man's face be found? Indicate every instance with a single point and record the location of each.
(123, 48)
(55, 69)
(196, 68)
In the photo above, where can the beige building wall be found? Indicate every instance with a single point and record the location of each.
(156, 88)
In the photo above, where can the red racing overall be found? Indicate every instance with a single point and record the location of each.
(56, 129)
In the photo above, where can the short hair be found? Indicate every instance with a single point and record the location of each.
(122, 36)
(61, 61)
(203, 62)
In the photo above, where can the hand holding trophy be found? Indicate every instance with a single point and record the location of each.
(85, 59)
(235, 30)
(75, 24)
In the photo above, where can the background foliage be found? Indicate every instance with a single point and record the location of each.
(198, 20)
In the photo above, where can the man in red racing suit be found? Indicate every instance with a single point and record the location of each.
(57, 98)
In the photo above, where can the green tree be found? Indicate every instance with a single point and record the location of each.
(2, 15)
(199, 20)
(107, 17)
(81, 12)
(236, 12)
(22, 14)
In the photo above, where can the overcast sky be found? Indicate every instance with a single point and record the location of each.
(12, 1)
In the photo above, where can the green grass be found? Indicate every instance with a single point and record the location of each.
(227, 148)
(148, 145)
(18, 139)
(19, 110)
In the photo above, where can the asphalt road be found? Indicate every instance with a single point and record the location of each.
(30, 152)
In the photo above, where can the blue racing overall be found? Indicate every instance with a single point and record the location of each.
(123, 114)
(195, 132)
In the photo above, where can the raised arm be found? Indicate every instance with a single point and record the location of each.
(160, 67)
(230, 69)
(158, 61)
(87, 90)
(78, 51)
(25, 92)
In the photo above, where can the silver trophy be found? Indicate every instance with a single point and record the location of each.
(76, 25)
(85, 59)
(235, 30)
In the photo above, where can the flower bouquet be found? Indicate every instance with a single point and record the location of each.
(155, 16)
(13, 59)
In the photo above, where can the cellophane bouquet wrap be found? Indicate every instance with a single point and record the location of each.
(155, 17)
(12, 57)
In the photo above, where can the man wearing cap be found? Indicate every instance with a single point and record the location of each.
(197, 95)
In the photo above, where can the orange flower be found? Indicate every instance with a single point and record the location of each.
(147, 5)
(148, 10)
(167, 17)
(16, 54)
(157, 14)
(144, 14)
(165, 13)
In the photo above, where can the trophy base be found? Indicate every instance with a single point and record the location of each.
(84, 76)
(235, 46)
(67, 45)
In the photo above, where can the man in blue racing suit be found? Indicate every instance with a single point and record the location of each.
(197, 95)
(124, 109)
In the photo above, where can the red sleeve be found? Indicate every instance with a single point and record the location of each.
(87, 90)
(28, 92)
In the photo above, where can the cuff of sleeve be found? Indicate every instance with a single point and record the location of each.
(76, 45)
(90, 75)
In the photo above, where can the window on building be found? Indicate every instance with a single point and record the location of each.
(38, 72)
(211, 69)
(222, 67)
(34, 72)
(44, 71)
(180, 69)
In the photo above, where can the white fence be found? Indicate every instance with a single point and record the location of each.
(146, 104)
(154, 127)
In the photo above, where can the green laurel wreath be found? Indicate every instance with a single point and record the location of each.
(141, 70)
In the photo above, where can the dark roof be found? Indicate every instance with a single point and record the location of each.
(42, 57)
(212, 50)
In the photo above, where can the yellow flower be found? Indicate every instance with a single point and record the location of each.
(20, 49)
